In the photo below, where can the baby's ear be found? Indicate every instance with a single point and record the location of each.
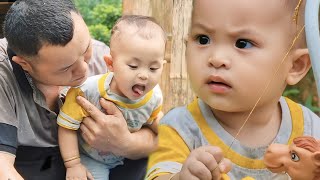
(316, 158)
(301, 64)
(109, 62)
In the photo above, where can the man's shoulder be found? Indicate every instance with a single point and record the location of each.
(3, 46)
(4, 63)
(5, 67)
(98, 45)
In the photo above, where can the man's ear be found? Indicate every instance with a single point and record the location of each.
(109, 62)
(301, 64)
(25, 64)
(316, 158)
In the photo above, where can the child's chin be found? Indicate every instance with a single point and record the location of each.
(136, 96)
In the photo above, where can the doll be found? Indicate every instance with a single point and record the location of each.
(300, 160)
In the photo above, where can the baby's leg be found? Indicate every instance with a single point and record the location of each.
(98, 170)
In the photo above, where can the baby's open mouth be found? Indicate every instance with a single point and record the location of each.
(139, 89)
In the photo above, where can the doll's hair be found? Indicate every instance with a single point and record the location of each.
(311, 144)
(307, 142)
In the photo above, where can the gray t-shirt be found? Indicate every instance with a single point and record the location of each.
(246, 161)
(25, 118)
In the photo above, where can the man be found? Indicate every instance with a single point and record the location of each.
(49, 46)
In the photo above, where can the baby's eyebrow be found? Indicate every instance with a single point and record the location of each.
(248, 32)
(203, 27)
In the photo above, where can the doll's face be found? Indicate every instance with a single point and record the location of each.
(297, 162)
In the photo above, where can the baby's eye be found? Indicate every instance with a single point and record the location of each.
(154, 69)
(65, 70)
(294, 157)
(133, 67)
(243, 44)
(203, 39)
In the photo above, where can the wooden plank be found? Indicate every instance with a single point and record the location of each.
(4, 6)
(138, 7)
(6, 3)
(180, 92)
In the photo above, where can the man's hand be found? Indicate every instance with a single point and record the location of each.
(105, 132)
(205, 163)
(109, 132)
(7, 170)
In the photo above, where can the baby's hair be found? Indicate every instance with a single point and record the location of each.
(140, 22)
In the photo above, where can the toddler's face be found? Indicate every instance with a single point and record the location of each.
(233, 50)
(137, 64)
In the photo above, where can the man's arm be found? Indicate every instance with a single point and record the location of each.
(8, 139)
(7, 170)
(109, 132)
(8, 120)
(97, 64)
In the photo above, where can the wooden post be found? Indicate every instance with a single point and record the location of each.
(4, 7)
(174, 17)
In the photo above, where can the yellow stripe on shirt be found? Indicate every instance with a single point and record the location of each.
(171, 147)
(242, 161)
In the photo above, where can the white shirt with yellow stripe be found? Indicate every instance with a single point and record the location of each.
(136, 112)
(186, 128)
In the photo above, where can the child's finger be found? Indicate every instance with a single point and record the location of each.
(89, 176)
(225, 165)
(207, 159)
(222, 168)
(199, 170)
(215, 151)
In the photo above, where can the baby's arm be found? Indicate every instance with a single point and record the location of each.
(155, 123)
(70, 153)
(69, 119)
(157, 113)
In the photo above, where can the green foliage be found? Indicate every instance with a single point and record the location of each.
(106, 14)
(310, 104)
(291, 93)
(100, 32)
(304, 92)
(100, 16)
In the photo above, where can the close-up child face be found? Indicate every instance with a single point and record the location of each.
(234, 48)
(137, 63)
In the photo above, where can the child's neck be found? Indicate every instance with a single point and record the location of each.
(114, 88)
(261, 128)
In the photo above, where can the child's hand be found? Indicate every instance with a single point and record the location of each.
(205, 163)
(78, 172)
